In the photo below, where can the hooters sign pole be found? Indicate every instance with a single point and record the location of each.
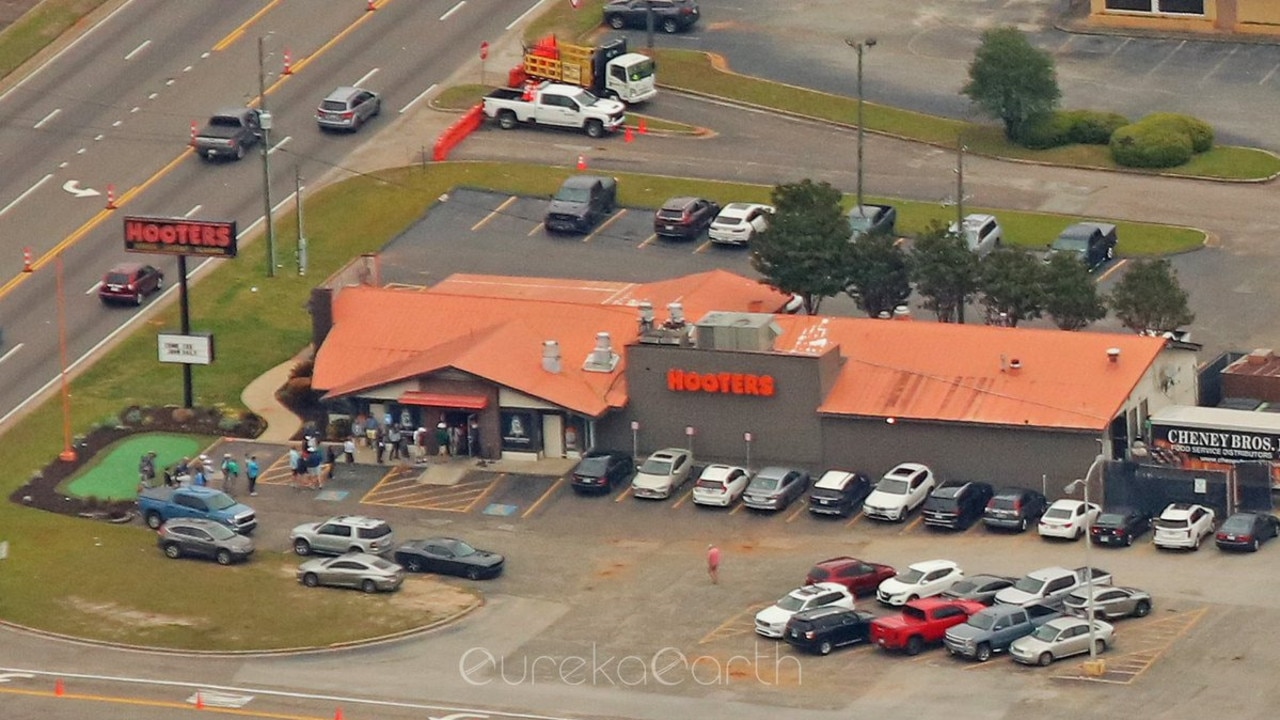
(484, 55)
(181, 237)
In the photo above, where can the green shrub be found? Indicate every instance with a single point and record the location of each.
(339, 429)
(1199, 131)
(1093, 127)
(1144, 145)
(303, 368)
(1046, 132)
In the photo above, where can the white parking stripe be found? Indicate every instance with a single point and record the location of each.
(1267, 77)
(1165, 58)
(1219, 64)
(453, 10)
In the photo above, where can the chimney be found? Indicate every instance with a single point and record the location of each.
(902, 312)
(1015, 365)
(1113, 354)
(646, 315)
(551, 356)
(602, 358)
(677, 315)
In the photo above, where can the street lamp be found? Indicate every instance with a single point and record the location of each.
(1070, 489)
(859, 46)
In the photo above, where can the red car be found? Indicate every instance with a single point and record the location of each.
(922, 622)
(130, 282)
(860, 576)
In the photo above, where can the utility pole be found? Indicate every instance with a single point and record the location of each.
(264, 123)
(859, 46)
(302, 238)
(960, 148)
(648, 21)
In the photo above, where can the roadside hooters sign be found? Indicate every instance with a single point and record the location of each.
(178, 236)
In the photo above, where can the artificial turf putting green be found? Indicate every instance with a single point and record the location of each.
(114, 474)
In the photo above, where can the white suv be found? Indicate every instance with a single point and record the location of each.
(922, 579)
(900, 491)
(1183, 525)
(720, 485)
(343, 534)
(772, 621)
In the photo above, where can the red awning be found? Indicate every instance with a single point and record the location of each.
(469, 402)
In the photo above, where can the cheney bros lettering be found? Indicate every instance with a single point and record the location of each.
(1217, 444)
(180, 237)
(724, 383)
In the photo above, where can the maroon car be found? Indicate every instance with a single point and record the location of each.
(861, 577)
(130, 282)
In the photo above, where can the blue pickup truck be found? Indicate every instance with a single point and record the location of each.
(162, 503)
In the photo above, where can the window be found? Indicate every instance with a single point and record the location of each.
(334, 529)
(201, 535)
(190, 502)
(1184, 7)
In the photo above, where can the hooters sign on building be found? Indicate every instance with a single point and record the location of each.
(724, 383)
(176, 236)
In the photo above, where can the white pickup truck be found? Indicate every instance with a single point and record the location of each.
(1050, 586)
(557, 105)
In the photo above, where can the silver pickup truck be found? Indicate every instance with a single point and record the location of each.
(1050, 586)
(229, 134)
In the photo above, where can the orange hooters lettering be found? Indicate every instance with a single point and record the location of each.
(180, 236)
(723, 383)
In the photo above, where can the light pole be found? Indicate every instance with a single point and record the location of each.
(264, 124)
(1070, 489)
(859, 46)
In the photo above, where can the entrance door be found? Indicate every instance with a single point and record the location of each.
(553, 435)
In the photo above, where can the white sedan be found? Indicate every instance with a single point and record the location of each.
(922, 579)
(772, 621)
(663, 473)
(720, 485)
(1183, 525)
(737, 223)
(1067, 518)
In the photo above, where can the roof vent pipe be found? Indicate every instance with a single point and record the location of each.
(1113, 354)
(646, 315)
(551, 356)
(1015, 364)
(677, 315)
(602, 358)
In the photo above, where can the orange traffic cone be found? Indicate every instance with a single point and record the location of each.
(338, 715)
(582, 162)
(371, 7)
(628, 136)
(199, 701)
(644, 129)
(27, 266)
(193, 133)
(111, 197)
(58, 689)
(288, 62)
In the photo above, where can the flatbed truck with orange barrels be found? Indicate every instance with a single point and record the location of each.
(607, 69)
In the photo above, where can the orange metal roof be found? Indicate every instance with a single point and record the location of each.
(949, 372)
(494, 328)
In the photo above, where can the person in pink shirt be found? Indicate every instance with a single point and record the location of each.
(713, 563)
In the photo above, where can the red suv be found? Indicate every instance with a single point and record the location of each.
(130, 282)
(684, 218)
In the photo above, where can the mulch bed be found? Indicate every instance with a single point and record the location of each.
(41, 491)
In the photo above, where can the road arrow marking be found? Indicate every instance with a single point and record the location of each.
(213, 698)
(73, 187)
(460, 716)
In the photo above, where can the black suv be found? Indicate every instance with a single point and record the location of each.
(822, 629)
(684, 218)
(602, 470)
(1014, 508)
(1119, 526)
(956, 504)
(1093, 243)
(583, 201)
(669, 16)
(839, 493)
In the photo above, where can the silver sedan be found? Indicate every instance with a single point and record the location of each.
(370, 573)
(1109, 603)
(1060, 638)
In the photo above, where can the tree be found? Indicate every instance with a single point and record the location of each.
(876, 273)
(1071, 295)
(1149, 298)
(945, 272)
(1012, 81)
(1012, 285)
(803, 250)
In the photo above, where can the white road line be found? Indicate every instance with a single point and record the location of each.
(458, 711)
(28, 191)
(66, 49)
(93, 289)
(12, 350)
(137, 50)
(421, 95)
(1219, 64)
(1166, 57)
(280, 144)
(1120, 46)
(1267, 77)
(367, 75)
(453, 10)
(46, 119)
(193, 211)
(526, 14)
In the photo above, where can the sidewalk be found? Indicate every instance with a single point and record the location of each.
(260, 397)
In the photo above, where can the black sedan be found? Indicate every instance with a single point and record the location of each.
(602, 470)
(1119, 526)
(449, 556)
(1247, 531)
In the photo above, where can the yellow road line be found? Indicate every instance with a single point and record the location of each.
(703, 247)
(303, 62)
(542, 500)
(495, 213)
(535, 229)
(234, 35)
(912, 525)
(684, 497)
(647, 241)
(139, 702)
(613, 218)
(796, 513)
(487, 492)
(738, 508)
(856, 519)
(390, 477)
(626, 491)
(1112, 269)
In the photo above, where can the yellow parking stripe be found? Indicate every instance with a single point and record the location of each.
(856, 519)
(487, 492)
(495, 213)
(912, 525)
(796, 513)
(613, 218)
(647, 242)
(626, 492)
(542, 500)
(740, 624)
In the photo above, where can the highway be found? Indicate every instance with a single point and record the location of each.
(112, 112)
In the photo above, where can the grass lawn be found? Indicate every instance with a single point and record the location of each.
(39, 27)
(113, 474)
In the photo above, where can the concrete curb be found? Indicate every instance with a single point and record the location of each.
(283, 652)
(720, 64)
